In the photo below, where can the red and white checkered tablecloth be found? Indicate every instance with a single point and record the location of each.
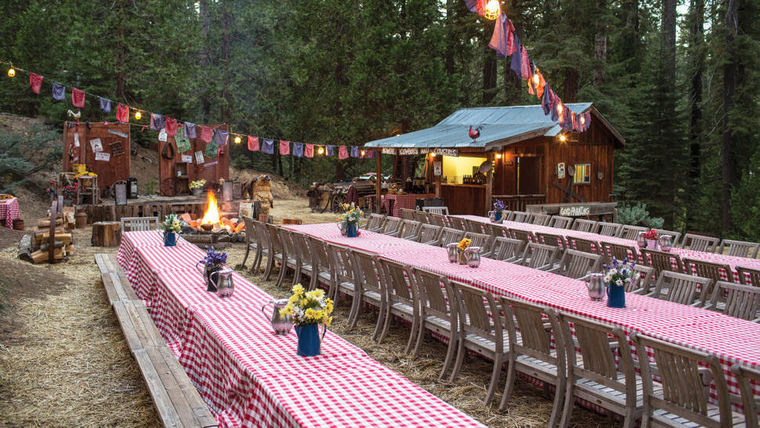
(9, 210)
(731, 261)
(689, 326)
(132, 240)
(251, 377)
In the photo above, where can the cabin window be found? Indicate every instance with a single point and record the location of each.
(582, 173)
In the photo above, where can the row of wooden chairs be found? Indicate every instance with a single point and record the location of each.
(581, 365)
(690, 240)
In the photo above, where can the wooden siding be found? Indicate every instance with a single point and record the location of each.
(117, 168)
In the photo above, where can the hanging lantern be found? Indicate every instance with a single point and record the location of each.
(238, 139)
(498, 155)
(492, 10)
(11, 72)
(562, 138)
(138, 115)
(321, 151)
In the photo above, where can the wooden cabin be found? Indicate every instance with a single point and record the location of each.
(521, 157)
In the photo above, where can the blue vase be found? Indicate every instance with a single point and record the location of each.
(497, 217)
(170, 239)
(309, 342)
(615, 296)
(351, 230)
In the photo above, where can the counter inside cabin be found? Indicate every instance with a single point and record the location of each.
(464, 198)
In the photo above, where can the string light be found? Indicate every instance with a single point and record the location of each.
(498, 155)
(536, 79)
(562, 138)
(363, 152)
(583, 120)
(321, 151)
(238, 139)
(138, 115)
(559, 109)
(493, 9)
(11, 72)
(432, 154)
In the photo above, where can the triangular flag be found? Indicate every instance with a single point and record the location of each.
(253, 144)
(77, 97)
(284, 147)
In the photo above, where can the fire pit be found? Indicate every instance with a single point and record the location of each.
(213, 228)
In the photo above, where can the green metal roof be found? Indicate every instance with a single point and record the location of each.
(499, 126)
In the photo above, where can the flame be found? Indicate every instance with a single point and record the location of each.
(211, 216)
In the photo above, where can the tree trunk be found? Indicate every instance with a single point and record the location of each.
(600, 48)
(225, 50)
(120, 60)
(204, 60)
(570, 89)
(728, 172)
(450, 37)
(696, 39)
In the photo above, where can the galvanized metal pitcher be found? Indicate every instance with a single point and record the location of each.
(596, 289)
(280, 324)
(665, 242)
(472, 254)
(222, 279)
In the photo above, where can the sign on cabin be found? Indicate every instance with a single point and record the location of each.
(575, 211)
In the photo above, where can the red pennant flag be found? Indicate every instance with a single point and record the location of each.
(309, 150)
(35, 81)
(171, 126)
(342, 152)
(122, 113)
(284, 147)
(206, 134)
(524, 64)
(77, 97)
(253, 144)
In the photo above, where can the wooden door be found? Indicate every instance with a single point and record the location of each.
(528, 170)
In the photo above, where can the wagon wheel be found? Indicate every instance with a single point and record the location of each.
(338, 199)
(327, 204)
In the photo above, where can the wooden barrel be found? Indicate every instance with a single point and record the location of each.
(81, 219)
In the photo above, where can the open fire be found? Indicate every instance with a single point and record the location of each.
(211, 216)
(213, 222)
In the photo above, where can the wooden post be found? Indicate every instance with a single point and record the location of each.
(51, 237)
(489, 183)
(379, 178)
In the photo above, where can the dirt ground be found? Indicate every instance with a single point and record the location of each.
(64, 361)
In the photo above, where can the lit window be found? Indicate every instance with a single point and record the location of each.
(582, 173)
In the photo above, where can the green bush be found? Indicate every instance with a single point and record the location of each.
(637, 215)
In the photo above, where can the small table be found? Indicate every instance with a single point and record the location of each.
(407, 200)
(9, 211)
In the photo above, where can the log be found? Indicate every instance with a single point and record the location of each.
(106, 234)
(40, 238)
(25, 248)
(40, 256)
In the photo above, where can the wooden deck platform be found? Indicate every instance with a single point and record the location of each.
(177, 401)
(157, 207)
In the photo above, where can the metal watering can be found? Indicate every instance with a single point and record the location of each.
(280, 324)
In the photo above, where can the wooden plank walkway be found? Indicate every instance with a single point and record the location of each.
(177, 401)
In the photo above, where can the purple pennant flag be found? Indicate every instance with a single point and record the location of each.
(268, 146)
(220, 137)
(330, 150)
(190, 131)
(546, 103)
(354, 151)
(515, 65)
(298, 150)
(157, 122)
(59, 91)
(105, 105)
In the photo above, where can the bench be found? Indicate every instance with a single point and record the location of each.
(176, 399)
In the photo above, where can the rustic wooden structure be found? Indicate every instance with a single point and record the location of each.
(157, 207)
(175, 175)
(521, 157)
(106, 233)
(114, 140)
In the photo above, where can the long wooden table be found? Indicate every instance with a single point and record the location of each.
(251, 377)
(732, 340)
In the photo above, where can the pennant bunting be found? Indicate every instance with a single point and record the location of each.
(157, 122)
(171, 126)
(35, 81)
(342, 152)
(309, 150)
(190, 130)
(105, 104)
(330, 150)
(525, 71)
(284, 147)
(268, 147)
(298, 150)
(546, 103)
(354, 151)
(253, 144)
(122, 113)
(77, 97)
(499, 41)
(515, 65)
(207, 134)
(221, 138)
(59, 91)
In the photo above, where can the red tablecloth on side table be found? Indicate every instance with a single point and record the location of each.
(9, 211)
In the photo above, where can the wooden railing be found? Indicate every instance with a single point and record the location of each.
(519, 202)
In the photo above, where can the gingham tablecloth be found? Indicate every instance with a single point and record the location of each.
(9, 210)
(251, 377)
(403, 201)
(731, 261)
(689, 326)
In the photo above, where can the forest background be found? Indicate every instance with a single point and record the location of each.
(680, 80)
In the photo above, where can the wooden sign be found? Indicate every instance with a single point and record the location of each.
(407, 152)
(388, 151)
(446, 152)
(117, 148)
(575, 211)
(561, 171)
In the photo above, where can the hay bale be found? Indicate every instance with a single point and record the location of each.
(262, 191)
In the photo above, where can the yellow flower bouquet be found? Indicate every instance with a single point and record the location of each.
(307, 310)
(461, 246)
(349, 220)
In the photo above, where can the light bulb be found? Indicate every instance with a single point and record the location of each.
(11, 72)
(363, 152)
(238, 139)
(498, 155)
(321, 151)
(562, 138)
(492, 9)
(583, 120)
(138, 115)
(536, 79)
(432, 154)
(559, 108)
